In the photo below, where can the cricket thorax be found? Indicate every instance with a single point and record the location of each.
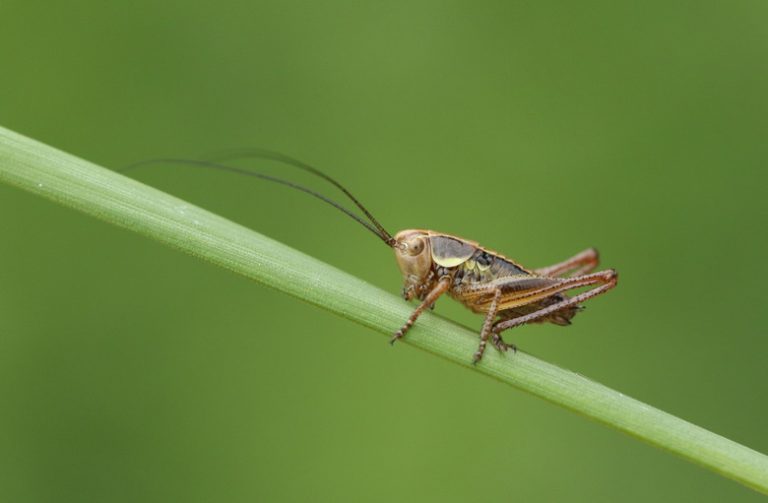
(425, 257)
(469, 264)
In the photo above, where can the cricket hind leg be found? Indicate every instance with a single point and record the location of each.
(580, 264)
(604, 281)
(502, 346)
(562, 317)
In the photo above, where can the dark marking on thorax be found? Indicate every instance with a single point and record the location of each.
(483, 267)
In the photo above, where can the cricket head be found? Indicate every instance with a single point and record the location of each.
(414, 258)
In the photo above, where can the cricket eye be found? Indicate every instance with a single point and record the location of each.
(415, 246)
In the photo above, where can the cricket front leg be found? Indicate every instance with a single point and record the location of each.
(579, 264)
(487, 326)
(442, 286)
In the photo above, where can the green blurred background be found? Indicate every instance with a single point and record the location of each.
(130, 372)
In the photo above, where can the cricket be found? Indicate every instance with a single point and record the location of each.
(434, 264)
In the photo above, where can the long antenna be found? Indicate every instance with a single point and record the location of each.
(377, 229)
(258, 153)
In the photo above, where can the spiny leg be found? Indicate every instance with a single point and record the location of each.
(442, 286)
(605, 279)
(487, 325)
(579, 264)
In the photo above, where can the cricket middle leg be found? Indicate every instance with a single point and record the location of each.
(487, 326)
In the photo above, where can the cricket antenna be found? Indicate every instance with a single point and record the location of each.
(258, 153)
(376, 228)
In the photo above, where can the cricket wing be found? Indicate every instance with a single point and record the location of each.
(454, 250)
(450, 252)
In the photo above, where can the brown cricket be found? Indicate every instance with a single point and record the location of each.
(433, 263)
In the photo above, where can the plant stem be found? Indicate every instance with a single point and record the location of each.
(114, 198)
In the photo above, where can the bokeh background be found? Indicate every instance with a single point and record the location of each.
(131, 372)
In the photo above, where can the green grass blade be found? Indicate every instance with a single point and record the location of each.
(79, 184)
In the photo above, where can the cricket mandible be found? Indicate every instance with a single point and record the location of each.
(433, 264)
